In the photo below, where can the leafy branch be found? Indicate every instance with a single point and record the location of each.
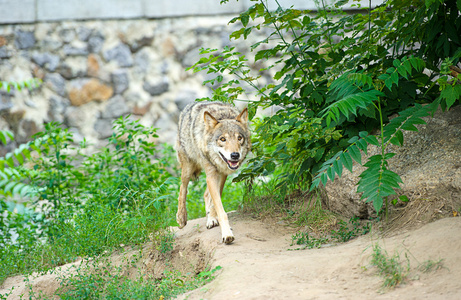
(339, 76)
(376, 182)
(10, 178)
(20, 85)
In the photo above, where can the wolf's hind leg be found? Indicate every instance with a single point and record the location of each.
(187, 171)
(211, 216)
(181, 215)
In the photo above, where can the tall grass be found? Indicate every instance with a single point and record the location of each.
(81, 205)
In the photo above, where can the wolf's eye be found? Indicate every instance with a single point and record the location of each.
(222, 139)
(240, 138)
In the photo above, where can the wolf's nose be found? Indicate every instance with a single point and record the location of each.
(235, 155)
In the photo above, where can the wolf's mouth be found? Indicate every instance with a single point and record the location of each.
(232, 164)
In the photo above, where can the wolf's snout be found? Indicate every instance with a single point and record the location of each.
(235, 155)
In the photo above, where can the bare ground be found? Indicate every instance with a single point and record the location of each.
(261, 264)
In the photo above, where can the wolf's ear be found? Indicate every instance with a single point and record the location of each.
(243, 117)
(210, 121)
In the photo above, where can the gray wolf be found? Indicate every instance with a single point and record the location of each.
(214, 137)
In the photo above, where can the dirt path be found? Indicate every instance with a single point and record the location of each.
(259, 266)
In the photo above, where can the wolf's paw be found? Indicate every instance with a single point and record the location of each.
(228, 239)
(211, 222)
(227, 235)
(181, 219)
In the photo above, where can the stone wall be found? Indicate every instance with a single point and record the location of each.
(96, 71)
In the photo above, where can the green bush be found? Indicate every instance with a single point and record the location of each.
(337, 78)
(83, 205)
(87, 205)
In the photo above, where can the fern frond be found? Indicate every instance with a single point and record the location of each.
(10, 177)
(377, 182)
(361, 80)
(21, 154)
(10, 183)
(349, 105)
(344, 86)
(334, 165)
(7, 160)
(406, 120)
(402, 68)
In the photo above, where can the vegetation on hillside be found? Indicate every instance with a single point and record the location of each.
(337, 79)
(80, 205)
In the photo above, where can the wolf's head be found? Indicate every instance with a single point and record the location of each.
(230, 140)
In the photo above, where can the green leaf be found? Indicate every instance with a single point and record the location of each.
(417, 63)
(404, 198)
(19, 158)
(236, 34)
(397, 139)
(363, 134)
(338, 167)
(390, 70)
(395, 78)
(362, 145)
(361, 79)
(346, 160)
(429, 3)
(353, 140)
(319, 154)
(331, 173)
(9, 159)
(9, 187)
(270, 167)
(450, 94)
(315, 183)
(368, 178)
(4, 134)
(324, 178)
(244, 18)
(355, 153)
(371, 139)
(377, 203)
(410, 126)
(20, 189)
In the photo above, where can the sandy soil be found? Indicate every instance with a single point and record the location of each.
(260, 264)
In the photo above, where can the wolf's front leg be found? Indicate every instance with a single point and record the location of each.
(211, 216)
(214, 182)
